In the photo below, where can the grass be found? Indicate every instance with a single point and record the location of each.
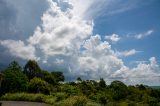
(58, 99)
(29, 97)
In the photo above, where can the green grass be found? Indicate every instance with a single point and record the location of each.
(29, 97)
(58, 99)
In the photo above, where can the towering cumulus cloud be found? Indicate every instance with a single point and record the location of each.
(65, 41)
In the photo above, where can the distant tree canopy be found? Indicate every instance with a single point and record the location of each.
(102, 83)
(79, 79)
(1, 78)
(58, 76)
(33, 79)
(13, 79)
(32, 69)
(48, 77)
(120, 90)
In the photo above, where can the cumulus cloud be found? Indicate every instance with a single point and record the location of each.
(65, 41)
(61, 31)
(143, 35)
(143, 73)
(146, 73)
(19, 49)
(113, 38)
(127, 53)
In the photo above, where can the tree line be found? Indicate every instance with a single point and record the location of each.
(33, 79)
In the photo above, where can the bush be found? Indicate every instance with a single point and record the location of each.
(60, 96)
(80, 101)
(91, 103)
(37, 85)
(29, 97)
(73, 101)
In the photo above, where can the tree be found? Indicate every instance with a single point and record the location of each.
(32, 69)
(102, 83)
(120, 89)
(1, 78)
(79, 79)
(14, 80)
(58, 76)
(141, 87)
(37, 85)
(48, 77)
(14, 66)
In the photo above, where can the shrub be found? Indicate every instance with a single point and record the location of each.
(29, 97)
(91, 103)
(80, 101)
(37, 85)
(60, 96)
(73, 101)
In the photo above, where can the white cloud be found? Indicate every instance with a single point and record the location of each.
(143, 73)
(97, 59)
(61, 32)
(90, 9)
(143, 35)
(65, 41)
(146, 73)
(19, 49)
(114, 38)
(127, 53)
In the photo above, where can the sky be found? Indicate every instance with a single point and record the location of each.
(91, 39)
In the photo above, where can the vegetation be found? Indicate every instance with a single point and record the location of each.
(37, 85)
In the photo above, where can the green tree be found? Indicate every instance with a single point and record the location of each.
(1, 78)
(120, 89)
(48, 77)
(32, 69)
(14, 66)
(102, 83)
(58, 76)
(14, 79)
(141, 87)
(37, 85)
(79, 79)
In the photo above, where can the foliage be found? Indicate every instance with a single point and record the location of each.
(48, 77)
(61, 96)
(73, 101)
(29, 97)
(120, 90)
(58, 76)
(32, 69)
(37, 85)
(48, 87)
(13, 79)
(102, 83)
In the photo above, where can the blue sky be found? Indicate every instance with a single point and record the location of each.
(139, 19)
(113, 39)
